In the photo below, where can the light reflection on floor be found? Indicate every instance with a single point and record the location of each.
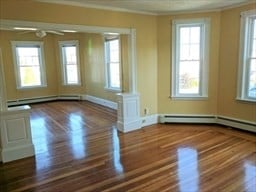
(39, 135)
(116, 151)
(188, 176)
(250, 176)
(77, 142)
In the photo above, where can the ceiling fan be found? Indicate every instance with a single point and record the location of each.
(38, 32)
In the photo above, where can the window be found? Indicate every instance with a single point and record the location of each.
(29, 64)
(70, 62)
(247, 68)
(112, 63)
(190, 58)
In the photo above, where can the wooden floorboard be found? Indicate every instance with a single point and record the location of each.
(78, 148)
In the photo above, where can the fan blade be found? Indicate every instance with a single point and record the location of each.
(55, 32)
(25, 32)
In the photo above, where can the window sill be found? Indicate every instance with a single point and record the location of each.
(113, 90)
(196, 98)
(31, 87)
(246, 100)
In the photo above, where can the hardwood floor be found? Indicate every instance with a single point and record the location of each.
(78, 148)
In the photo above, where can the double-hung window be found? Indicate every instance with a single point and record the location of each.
(247, 68)
(29, 64)
(190, 58)
(69, 51)
(112, 63)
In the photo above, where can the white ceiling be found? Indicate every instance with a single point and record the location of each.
(154, 6)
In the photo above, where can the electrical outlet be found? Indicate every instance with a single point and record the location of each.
(146, 111)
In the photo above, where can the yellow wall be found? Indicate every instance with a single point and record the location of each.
(92, 73)
(50, 66)
(153, 55)
(145, 25)
(170, 106)
(228, 70)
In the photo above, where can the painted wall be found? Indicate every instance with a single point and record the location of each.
(145, 25)
(50, 66)
(228, 70)
(167, 105)
(92, 73)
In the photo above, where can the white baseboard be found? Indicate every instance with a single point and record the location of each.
(69, 97)
(100, 101)
(149, 120)
(128, 126)
(16, 153)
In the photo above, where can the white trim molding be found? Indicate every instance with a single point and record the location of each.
(100, 101)
(149, 120)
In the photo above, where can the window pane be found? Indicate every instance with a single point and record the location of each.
(195, 35)
(189, 77)
(70, 53)
(72, 77)
(70, 63)
(28, 56)
(184, 35)
(114, 75)
(30, 76)
(252, 79)
(189, 43)
(195, 51)
(184, 52)
(114, 50)
(254, 39)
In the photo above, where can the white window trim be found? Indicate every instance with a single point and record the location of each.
(63, 69)
(243, 54)
(107, 78)
(41, 58)
(203, 92)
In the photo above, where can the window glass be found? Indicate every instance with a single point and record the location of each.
(29, 64)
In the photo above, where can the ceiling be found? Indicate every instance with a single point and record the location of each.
(155, 7)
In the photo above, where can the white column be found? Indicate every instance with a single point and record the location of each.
(15, 131)
(128, 118)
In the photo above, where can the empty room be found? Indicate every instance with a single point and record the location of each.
(124, 95)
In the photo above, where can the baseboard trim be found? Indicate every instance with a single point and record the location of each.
(149, 120)
(16, 153)
(129, 126)
(100, 101)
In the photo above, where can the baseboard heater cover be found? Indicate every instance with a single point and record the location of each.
(31, 100)
(187, 119)
(236, 123)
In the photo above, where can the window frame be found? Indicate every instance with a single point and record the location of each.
(107, 66)
(204, 24)
(39, 44)
(63, 65)
(246, 27)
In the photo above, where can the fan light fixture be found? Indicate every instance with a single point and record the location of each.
(25, 28)
(41, 34)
